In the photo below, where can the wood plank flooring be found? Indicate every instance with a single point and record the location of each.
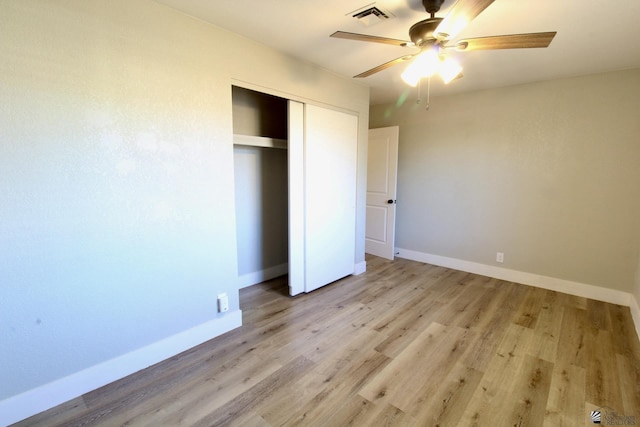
(406, 344)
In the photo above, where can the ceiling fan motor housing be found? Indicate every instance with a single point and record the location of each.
(421, 33)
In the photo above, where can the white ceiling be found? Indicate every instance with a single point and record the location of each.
(593, 36)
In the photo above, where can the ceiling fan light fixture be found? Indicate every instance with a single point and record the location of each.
(449, 69)
(411, 75)
(426, 64)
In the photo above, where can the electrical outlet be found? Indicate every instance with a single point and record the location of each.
(223, 303)
(500, 257)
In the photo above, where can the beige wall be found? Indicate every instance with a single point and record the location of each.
(117, 217)
(548, 173)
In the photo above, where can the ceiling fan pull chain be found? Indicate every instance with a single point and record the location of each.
(428, 92)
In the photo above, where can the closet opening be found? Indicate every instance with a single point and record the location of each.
(260, 127)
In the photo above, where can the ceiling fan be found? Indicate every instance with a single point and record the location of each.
(433, 37)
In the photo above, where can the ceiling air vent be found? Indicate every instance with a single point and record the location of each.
(371, 15)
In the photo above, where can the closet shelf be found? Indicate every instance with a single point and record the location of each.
(259, 141)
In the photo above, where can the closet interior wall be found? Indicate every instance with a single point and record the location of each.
(261, 188)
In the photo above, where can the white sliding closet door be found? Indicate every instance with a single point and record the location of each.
(296, 197)
(330, 151)
(322, 196)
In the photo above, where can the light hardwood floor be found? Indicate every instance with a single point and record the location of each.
(405, 344)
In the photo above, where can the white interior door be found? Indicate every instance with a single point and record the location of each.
(330, 151)
(382, 170)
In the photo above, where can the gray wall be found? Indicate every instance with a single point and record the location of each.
(548, 173)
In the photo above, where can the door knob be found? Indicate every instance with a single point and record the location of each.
(390, 201)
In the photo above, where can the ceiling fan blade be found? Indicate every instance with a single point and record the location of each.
(367, 38)
(511, 41)
(463, 12)
(385, 66)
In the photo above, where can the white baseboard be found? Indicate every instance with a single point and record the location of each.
(360, 268)
(34, 401)
(256, 277)
(559, 285)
